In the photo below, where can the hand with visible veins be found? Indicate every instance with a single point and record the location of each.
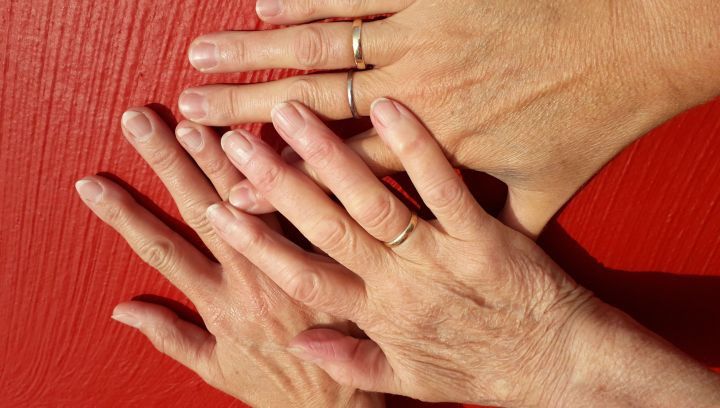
(540, 94)
(464, 309)
(249, 320)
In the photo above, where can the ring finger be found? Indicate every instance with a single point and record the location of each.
(312, 46)
(327, 94)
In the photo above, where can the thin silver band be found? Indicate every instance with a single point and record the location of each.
(351, 94)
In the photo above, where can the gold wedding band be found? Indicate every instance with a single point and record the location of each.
(357, 44)
(405, 234)
(351, 94)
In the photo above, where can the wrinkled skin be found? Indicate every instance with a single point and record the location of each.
(539, 94)
(465, 309)
(249, 319)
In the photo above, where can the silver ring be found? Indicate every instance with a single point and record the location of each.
(351, 95)
(405, 234)
(357, 44)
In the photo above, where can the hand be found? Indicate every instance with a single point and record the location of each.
(539, 94)
(249, 320)
(465, 309)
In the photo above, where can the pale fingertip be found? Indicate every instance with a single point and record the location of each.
(243, 198)
(385, 112)
(126, 319)
(268, 8)
(193, 105)
(89, 191)
(191, 138)
(304, 354)
(203, 55)
(137, 124)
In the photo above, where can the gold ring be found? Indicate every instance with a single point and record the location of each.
(351, 94)
(357, 44)
(405, 234)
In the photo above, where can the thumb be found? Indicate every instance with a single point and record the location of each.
(353, 362)
(529, 211)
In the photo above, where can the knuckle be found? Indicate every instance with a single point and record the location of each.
(320, 153)
(410, 145)
(304, 9)
(310, 48)
(163, 161)
(303, 286)
(269, 176)
(378, 212)
(335, 236)
(235, 53)
(445, 194)
(160, 253)
(216, 168)
(195, 216)
(304, 90)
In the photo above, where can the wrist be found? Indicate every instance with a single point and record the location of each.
(616, 362)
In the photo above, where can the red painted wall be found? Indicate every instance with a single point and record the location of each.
(644, 234)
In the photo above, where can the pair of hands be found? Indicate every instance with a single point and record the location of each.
(509, 114)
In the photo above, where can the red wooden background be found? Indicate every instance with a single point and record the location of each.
(644, 234)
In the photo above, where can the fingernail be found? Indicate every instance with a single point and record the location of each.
(303, 354)
(204, 55)
(288, 119)
(220, 217)
(289, 155)
(385, 111)
(242, 198)
(90, 191)
(193, 105)
(137, 124)
(127, 319)
(237, 146)
(190, 138)
(268, 8)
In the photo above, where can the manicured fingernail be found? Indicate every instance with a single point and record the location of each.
(204, 55)
(90, 191)
(303, 354)
(127, 319)
(237, 146)
(268, 8)
(220, 217)
(137, 124)
(242, 198)
(190, 138)
(288, 119)
(385, 111)
(193, 105)
(289, 155)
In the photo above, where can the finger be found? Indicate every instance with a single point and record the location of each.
(155, 142)
(362, 194)
(440, 187)
(371, 149)
(225, 105)
(156, 244)
(311, 46)
(325, 286)
(180, 340)
(203, 145)
(349, 361)
(300, 11)
(302, 202)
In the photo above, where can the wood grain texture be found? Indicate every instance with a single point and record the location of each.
(643, 234)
